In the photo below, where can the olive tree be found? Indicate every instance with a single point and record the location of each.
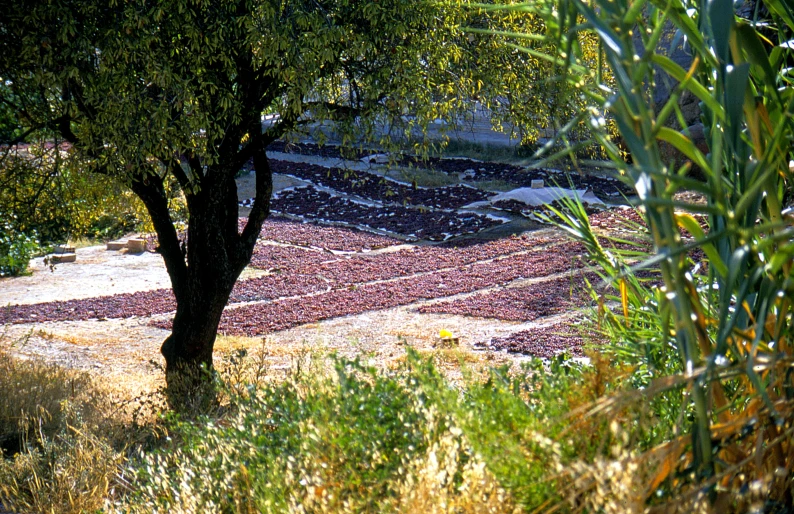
(156, 91)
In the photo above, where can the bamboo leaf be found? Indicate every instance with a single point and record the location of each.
(695, 87)
(670, 453)
(624, 299)
(608, 36)
(755, 53)
(782, 8)
(721, 20)
(691, 225)
(684, 145)
(736, 80)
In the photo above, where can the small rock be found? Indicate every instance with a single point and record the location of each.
(468, 174)
(62, 249)
(64, 257)
(116, 245)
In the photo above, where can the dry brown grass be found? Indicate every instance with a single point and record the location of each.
(33, 392)
(449, 479)
(63, 436)
(73, 471)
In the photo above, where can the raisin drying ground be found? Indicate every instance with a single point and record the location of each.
(379, 189)
(311, 203)
(543, 342)
(301, 271)
(603, 187)
(328, 237)
(263, 318)
(526, 303)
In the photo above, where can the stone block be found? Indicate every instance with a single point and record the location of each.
(117, 245)
(537, 184)
(136, 245)
(63, 257)
(61, 249)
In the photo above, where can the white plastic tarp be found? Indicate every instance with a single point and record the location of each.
(545, 195)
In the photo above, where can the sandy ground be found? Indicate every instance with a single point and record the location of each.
(97, 272)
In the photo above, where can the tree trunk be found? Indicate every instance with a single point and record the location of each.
(204, 275)
(188, 350)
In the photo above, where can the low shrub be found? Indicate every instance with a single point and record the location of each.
(361, 440)
(312, 442)
(16, 248)
(332, 436)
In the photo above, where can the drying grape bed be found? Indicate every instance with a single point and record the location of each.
(158, 301)
(406, 260)
(480, 171)
(308, 285)
(285, 313)
(327, 151)
(125, 305)
(301, 271)
(375, 188)
(367, 200)
(477, 171)
(413, 223)
(342, 239)
(542, 341)
(533, 211)
(526, 303)
(316, 272)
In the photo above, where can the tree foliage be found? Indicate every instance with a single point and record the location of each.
(517, 76)
(150, 79)
(48, 194)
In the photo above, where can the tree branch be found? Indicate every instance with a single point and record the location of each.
(195, 167)
(64, 124)
(21, 138)
(259, 211)
(174, 165)
(261, 140)
(336, 111)
(151, 191)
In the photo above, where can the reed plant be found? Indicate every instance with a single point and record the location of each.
(715, 337)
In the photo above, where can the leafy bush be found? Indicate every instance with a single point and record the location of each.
(310, 442)
(48, 191)
(338, 438)
(16, 248)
